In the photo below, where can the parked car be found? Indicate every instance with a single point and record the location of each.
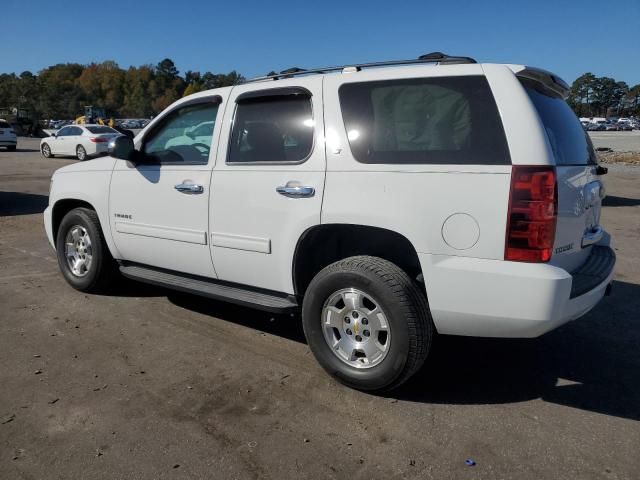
(597, 127)
(355, 197)
(8, 138)
(612, 127)
(625, 125)
(83, 141)
(123, 131)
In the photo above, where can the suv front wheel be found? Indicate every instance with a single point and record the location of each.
(367, 323)
(83, 255)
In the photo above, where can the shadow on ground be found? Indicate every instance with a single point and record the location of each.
(18, 203)
(26, 150)
(613, 201)
(590, 364)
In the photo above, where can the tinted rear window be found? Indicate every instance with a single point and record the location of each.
(446, 120)
(4, 124)
(101, 129)
(571, 145)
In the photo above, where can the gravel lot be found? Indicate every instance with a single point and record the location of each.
(617, 141)
(149, 383)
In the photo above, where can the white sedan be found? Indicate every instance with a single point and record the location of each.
(83, 141)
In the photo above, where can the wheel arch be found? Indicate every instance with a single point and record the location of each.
(322, 245)
(64, 205)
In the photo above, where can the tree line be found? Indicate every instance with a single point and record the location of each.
(61, 91)
(592, 96)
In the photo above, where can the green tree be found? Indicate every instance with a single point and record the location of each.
(167, 86)
(60, 94)
(137, 99)
(580, 95)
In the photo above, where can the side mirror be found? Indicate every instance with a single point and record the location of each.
(121, 147)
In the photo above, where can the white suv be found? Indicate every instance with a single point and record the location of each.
(8, 138)
(387, 202)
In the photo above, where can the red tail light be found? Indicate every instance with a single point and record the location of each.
(531, 221)
(99, 139)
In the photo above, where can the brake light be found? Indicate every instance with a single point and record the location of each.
(533, 211)
(99, 139)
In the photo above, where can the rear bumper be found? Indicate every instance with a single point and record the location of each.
(495, 298)
(8, 143)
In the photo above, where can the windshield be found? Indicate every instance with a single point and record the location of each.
(571, 145)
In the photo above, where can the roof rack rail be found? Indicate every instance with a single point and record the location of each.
(433, 57)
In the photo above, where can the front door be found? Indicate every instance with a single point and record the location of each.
(159, 206)
(268, 181)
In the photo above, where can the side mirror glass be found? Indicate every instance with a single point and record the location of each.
(121, 147)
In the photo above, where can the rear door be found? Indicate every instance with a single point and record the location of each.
(59, 143)
(268, 181)
(580, 189)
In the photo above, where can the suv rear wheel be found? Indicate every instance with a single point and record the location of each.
(367, 323)
(83, 255)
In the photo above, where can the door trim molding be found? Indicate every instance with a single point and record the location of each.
(241, 242)
(167, 233)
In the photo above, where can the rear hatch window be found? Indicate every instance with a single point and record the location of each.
(4, 124)
(571, 145)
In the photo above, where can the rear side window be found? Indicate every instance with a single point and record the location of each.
(275, 129)
(571, 145)
(445, 120)
(4, 124)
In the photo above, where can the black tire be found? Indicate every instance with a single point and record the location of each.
(405, 306)
(11, 148)
(81, 153)
(102, 271)
(46, 152)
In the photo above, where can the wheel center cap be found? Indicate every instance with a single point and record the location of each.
(356, 327)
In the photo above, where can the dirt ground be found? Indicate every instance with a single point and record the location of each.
(152, 384)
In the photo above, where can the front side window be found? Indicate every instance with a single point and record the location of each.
(438, 120)
(75, 131)
(63, 132)
(276, 129)
(181, 138)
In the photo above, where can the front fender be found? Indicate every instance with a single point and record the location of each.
(94, 191)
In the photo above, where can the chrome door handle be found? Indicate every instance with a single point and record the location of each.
(189, 188)
(297, 191)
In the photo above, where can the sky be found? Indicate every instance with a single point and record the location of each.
(567, 37)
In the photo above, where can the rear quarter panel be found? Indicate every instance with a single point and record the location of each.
(415, 200)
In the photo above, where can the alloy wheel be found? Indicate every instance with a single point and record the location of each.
(78, 250)
(356, 328)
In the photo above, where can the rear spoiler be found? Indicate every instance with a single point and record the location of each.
(548, 79)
